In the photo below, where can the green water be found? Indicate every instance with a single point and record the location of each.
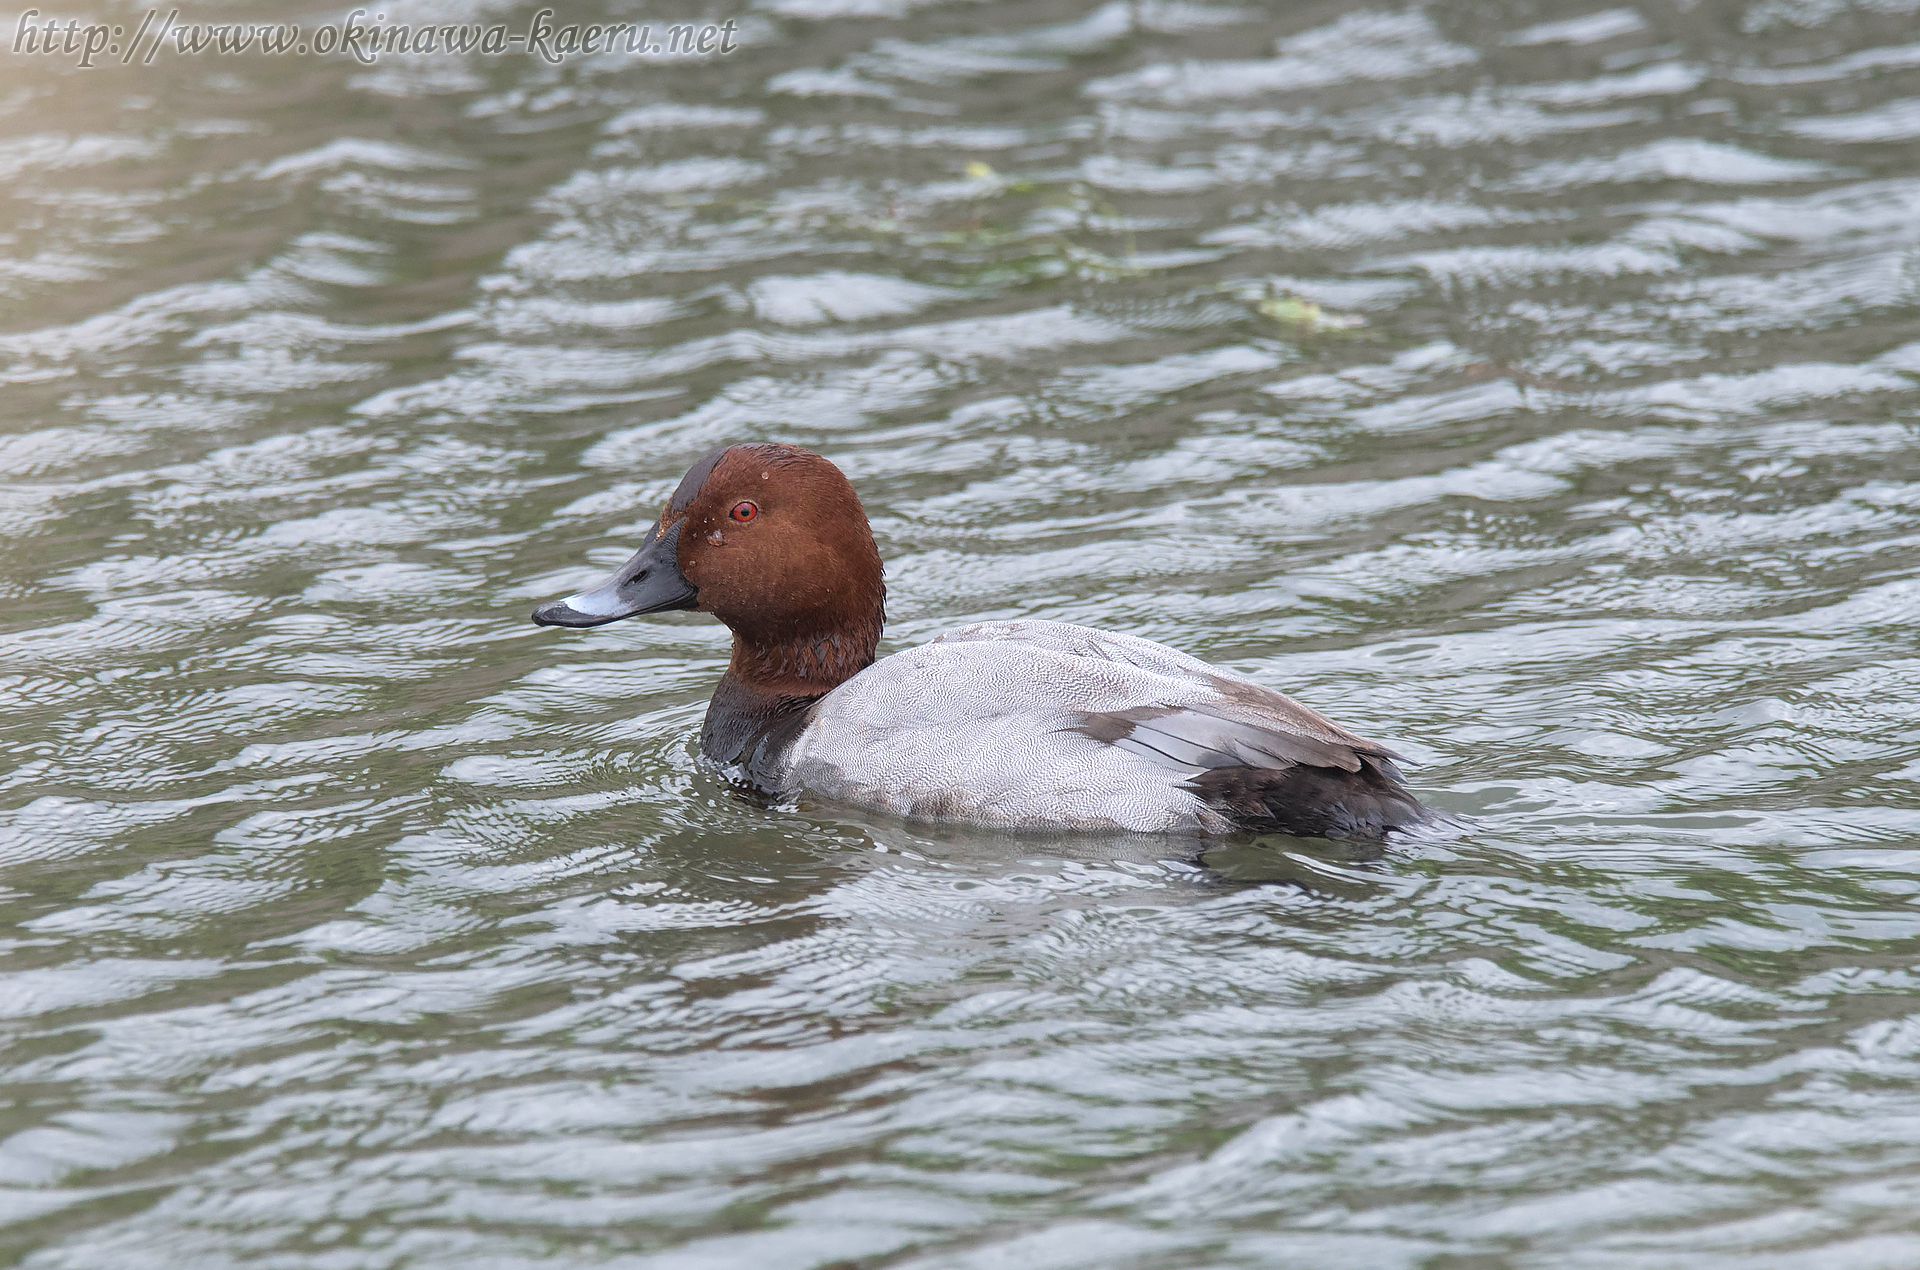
(1531, 388)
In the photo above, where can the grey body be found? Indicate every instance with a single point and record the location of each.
(1034, 724)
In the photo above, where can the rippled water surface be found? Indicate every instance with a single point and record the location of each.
(1532, 387)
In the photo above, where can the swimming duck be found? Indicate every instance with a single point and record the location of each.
(1018, 724)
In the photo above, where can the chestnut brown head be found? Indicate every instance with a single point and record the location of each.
(770, 539)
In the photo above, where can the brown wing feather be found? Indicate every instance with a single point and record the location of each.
(1293, 771)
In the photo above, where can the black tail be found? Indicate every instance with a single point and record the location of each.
(1312, 802)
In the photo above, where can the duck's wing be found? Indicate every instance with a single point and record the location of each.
(1256, 756)
(1279, 775)
(1190, 735)
(1199, 715)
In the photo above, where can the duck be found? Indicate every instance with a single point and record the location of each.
(1023, 725)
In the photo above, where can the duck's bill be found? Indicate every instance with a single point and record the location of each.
(651, 582)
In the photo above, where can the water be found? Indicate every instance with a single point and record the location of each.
(1532, 388)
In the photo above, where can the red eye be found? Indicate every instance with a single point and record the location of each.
(744, 512)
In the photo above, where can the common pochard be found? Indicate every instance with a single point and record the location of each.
(1023, 724)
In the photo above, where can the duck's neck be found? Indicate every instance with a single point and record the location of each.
(809, 665)
(762, 700)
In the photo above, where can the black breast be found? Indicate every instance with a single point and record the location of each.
(748, 731)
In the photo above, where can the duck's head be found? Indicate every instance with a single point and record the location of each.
(770, 539)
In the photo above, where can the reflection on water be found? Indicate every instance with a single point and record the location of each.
(1532, 387)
